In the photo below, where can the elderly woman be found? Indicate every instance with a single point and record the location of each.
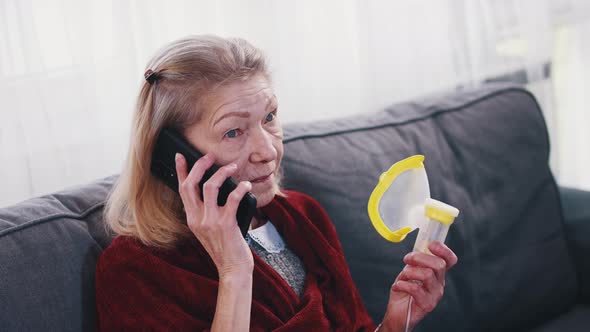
(180, 262)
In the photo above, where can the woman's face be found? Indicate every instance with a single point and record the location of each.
(241, 126)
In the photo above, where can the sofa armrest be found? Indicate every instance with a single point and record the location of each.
(576, 211)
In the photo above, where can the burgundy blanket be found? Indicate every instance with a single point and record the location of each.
(144, 288)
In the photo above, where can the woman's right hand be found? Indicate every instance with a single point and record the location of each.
(215, 226)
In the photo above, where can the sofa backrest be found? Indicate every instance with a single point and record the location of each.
(486, 153)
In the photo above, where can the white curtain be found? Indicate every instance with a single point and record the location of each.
(70, 69)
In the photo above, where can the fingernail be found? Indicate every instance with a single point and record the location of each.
(177, 157)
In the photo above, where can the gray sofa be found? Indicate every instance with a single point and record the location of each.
(522, 242)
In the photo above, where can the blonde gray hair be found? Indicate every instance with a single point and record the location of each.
(186, 70)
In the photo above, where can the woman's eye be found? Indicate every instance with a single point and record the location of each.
(270, 116)
(232, 133)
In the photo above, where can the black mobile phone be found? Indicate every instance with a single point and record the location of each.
(163, 166)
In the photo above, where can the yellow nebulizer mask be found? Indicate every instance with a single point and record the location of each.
(401, 202)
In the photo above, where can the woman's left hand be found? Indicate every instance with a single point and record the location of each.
(423, 278)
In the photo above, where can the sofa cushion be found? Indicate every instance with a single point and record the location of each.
(48, 251)
(486, 153)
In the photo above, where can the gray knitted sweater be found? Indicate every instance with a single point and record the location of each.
(268, 244)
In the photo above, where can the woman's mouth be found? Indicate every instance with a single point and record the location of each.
(262, 179)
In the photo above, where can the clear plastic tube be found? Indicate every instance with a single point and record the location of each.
(409, 314)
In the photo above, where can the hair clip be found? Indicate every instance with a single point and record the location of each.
(150, 76)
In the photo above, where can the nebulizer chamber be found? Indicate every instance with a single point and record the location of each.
(401, 202)
(439, 218)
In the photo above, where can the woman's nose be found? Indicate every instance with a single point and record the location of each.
(262, 148)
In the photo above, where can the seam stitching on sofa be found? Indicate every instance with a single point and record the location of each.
(435, 113)
(77, 216)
